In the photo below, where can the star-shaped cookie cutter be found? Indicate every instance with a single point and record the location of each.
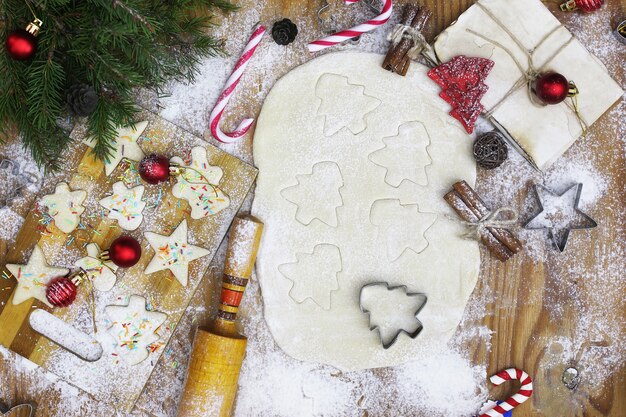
(591, 223)
(412, 335)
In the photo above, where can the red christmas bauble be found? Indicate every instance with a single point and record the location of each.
(61, 292)
(154, 169)
(551, 88)
(21, 45)
(588, 6)
(125, 251)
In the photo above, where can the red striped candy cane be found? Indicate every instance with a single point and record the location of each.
(231, 84)
(524, 393)
(345, 35)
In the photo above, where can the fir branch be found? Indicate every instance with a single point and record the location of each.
(45, 84)
(116, 46)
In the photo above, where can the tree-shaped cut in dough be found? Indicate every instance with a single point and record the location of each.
(134, 328)
(125, 146)
(343, 105)
(198, 184)
(314, 275)
(317, 195)
(405, 156)
(392, 310)
(65, 207)
(401, 227)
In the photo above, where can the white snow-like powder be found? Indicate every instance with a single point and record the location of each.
(451, 383)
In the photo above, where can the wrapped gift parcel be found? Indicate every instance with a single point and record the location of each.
(524, 39)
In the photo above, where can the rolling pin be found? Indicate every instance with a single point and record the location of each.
(218, 351)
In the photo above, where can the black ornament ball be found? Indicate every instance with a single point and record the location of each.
(82, 100)
(284, 32)
(490, 150)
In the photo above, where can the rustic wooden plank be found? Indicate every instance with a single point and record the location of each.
(519, 316)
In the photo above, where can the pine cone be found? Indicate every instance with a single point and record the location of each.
(82, 100)
(284, 32)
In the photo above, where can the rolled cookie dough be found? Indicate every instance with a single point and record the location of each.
(391, 220)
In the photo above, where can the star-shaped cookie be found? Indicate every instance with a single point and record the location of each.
(174, 253)
(33, 278)
(125, 205)
(134, 328)
(65, 207)
(101, 274)
(198, 184)
(125, 146)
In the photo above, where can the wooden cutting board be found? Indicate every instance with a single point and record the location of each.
(163, 292)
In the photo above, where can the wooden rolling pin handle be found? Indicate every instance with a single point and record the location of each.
(218, 352)
(243, 246)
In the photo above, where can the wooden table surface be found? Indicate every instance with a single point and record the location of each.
(525, 327)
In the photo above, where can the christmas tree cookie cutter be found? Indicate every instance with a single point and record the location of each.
(560, 243)
(376, 328)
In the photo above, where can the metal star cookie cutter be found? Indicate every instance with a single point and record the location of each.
(591, 223)
(412, 335)
(10, 169)
(328, 21)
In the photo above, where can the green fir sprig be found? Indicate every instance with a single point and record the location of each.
(115, 46)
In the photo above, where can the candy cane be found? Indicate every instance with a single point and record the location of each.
(524, 393)
(345, 35)
(231, 84)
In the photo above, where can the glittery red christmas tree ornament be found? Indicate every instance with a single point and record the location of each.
(154, 169)
(124, 252)
(61, 292)
(462, 80)
(586, 6)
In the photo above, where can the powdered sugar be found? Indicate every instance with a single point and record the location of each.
(452, 383)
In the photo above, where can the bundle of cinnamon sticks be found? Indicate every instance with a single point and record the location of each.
(502, 243)
(397, 59)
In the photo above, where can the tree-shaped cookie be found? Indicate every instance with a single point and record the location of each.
(173, 252)
(405, 156)
(317, 195)
(101, 273)
(64, 206)
(392, 310)
(334, 92)
(34, 277)
(401, 227)
(124, 146)
(198, 183)
(134, 328)
(314, 275)
(125, 205)
(462, 80)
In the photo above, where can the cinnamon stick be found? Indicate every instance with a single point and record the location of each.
(480, 209)
(499, 250)
(397, 60)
